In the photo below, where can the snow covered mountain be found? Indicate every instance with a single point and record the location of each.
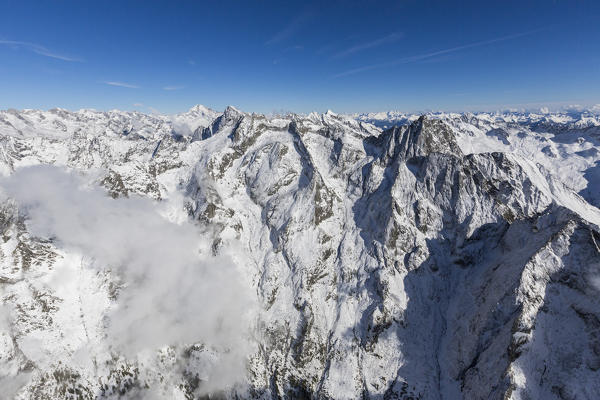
(565, 144)
(454, 256)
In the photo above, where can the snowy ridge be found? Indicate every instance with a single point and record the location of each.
(567, 144)
(571, 118)
(453, 256)
(62, 123)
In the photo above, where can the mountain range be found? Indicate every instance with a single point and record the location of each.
(328, 256)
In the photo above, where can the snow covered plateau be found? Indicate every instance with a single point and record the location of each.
(322, 256)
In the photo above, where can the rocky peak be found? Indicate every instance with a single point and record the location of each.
(228, 121)
(420, 138)
(425, 136)
(232, 113)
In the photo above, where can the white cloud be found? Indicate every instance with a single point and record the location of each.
(393, 37)
(420, 57)
(290, 29)
(173, 87)
(41, 50)
(174, 291)
(12, 384)
(122, 84)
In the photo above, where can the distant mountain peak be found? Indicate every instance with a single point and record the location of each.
(199, 108)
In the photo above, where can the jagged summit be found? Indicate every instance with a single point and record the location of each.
(232, 112)
(423, 137)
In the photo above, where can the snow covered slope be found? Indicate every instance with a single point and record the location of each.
(455, 256)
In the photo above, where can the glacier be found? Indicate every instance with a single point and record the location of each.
(387, 255)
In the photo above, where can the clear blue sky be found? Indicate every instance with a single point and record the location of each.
(265, 56)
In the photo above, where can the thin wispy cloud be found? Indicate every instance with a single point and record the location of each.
(169, 88)
(297, 47)
(122, 84)
(391, 38)
(39, 49)
(292, 27)
(420, 57)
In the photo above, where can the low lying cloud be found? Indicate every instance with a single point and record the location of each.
(173, 290)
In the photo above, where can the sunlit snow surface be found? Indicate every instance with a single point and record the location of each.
(455, 256)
